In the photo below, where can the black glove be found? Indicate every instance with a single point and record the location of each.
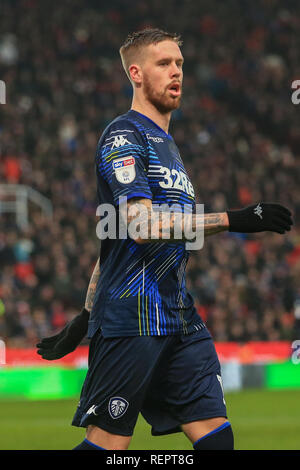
(260, 218)
(67, 340)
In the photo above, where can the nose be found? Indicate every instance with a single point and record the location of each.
(176, 71)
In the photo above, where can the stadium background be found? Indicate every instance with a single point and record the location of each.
(239, 137)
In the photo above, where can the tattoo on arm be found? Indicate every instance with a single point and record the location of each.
(89, 300)
(169, 226)
(215, 223)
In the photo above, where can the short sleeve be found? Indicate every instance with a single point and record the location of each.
(121, 160)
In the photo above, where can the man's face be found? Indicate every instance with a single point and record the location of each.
(162, 75)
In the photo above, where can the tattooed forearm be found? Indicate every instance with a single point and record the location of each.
(169, 226)
(92, 287)
(214, 223)
(210, 224)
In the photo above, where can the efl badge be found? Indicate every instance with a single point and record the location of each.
(117, 407)
(124, 169)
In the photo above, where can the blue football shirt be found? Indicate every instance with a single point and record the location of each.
(141, 289)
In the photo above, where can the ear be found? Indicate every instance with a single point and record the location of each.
(135, 73)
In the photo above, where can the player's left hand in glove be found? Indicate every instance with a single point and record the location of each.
(260, 217)
(67, 340)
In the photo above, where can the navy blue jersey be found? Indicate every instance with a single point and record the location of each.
(141, 289)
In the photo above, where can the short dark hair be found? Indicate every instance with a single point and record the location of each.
(145, 37)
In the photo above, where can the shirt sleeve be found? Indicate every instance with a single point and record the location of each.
(121, 161)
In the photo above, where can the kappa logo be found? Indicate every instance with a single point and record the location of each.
(221, 385)
(119, 141)
(258, 210)
(117, 407)
(92, 410)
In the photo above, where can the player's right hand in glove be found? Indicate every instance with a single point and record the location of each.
(67, 340)
(260, 218)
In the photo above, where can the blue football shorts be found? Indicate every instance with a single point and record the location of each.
(170, 380)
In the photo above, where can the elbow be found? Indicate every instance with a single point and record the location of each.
(140, 241)
(138, 238)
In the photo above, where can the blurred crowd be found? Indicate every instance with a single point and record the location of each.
(237, 131)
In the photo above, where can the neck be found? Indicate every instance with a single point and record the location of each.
(149, 110)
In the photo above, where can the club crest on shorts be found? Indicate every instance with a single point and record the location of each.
(124, 169)
(117, 407)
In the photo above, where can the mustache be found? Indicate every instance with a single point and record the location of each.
(175, 83)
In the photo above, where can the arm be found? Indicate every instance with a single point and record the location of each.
(252, 219)
(70, 337)
(89, 300)
(165, 223)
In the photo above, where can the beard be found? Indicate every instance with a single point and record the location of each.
(162, 101)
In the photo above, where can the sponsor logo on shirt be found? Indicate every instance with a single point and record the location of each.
(157, 140)
(124, 169)
(121, 162)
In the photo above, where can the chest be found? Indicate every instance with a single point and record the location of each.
(167, 177)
